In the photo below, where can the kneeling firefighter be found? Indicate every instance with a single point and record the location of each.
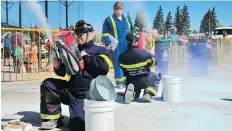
(136, 65)
(74, 89)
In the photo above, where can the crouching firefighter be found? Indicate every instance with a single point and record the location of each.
(136, 65)
(74, 89)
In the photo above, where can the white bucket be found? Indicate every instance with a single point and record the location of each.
(171, 88)
(99, 115)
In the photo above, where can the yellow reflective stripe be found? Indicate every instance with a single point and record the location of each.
(153, 43)
(120, 79)
(153, 61)
(106, 34)
(50, 117)
(152, 90)
(67, 77)
(128, 23)
(133, 97)
(114, 27)
(108, 61)
(136, 65)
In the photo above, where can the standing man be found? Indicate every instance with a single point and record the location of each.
(117, 25)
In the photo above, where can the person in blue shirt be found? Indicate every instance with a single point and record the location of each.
(117, 25)
(173, 34)
(6, 40)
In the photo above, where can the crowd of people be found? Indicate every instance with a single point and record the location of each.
(26, 52)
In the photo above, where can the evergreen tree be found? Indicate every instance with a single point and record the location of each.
(168, 22)
(128, 16)
(159, 20)
(139, 21)
(194, 31)
(205, 23)
(177, 21)
(185, 20)
(213, 20)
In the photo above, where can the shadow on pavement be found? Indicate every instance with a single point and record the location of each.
(158, 98)
(30, 117)
(227, 99)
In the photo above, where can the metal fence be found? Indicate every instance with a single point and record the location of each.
(21, 67)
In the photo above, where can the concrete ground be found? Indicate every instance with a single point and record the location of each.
(206, 105)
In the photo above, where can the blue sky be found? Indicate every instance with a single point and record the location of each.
(95, 12)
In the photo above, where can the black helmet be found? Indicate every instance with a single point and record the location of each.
(133, 36)
(83, 27)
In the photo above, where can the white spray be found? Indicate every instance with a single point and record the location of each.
(147, 19)
(37, 9)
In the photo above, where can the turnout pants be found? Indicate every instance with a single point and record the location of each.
(149, 82)
(53, 93)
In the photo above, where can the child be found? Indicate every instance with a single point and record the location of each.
(17, 58)
(33, 56)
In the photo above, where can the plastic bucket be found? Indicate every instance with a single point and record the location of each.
(99, 115)
(101, 89)
(171, 88)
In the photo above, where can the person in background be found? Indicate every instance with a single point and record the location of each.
(33, 57)
(49, 47)
(6, 40)
(38, 37)
(225, 35)
(173, 34)
(17, 58)
(183, 40)
(117, 25)
(16, 40)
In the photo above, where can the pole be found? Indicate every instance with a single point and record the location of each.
(66, 8)
(20, 13)
(46, 9)
(7, 13)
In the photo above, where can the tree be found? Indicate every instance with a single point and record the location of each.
(159, 20)
(168, 22)
(205, 23)
(128, 16)
(185, 20)
(194, 32)
(139, 21)
(177, 21)
(209, 21)
(213, 20)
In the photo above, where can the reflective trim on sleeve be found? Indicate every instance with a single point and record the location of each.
(136, 65)
(108, 61)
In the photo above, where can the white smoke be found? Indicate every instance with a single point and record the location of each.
(38, 11)
(137, 6)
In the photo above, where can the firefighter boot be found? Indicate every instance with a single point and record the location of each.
(51, 124)
(129, 94)
(148, 93)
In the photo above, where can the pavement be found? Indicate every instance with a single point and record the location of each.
(206, 105)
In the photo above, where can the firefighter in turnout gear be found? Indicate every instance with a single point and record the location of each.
(136, 65)
(73, 90)
(117, 25)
